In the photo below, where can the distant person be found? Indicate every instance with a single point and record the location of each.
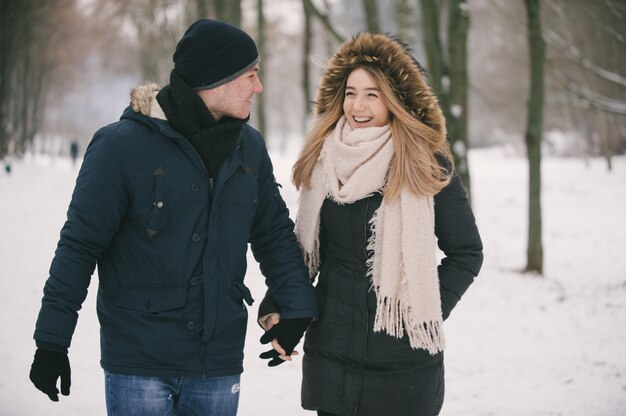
(166, 202)
(378, 192)
(7, 167)
(74, 151)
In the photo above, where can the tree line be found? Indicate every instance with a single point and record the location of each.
(544, 64)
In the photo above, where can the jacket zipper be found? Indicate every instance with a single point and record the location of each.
(214, 195)
(367, 207)
(367, 318)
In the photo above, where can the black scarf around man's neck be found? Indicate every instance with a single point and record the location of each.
(188, 115)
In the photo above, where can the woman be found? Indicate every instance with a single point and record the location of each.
(378, 192)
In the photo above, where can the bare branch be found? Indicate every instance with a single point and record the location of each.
(574, 53)
(598, 101)
(325, 19)
(615, 8)
(609, 30)
(585, 96)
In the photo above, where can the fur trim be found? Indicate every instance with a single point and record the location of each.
(143, 100)
(393, 57)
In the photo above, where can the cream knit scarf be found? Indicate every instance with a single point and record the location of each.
(353, 164)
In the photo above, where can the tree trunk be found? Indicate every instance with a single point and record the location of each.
(448, 78)
(533, 137)
(306, 66)
(13, 18)
(458, 22)
(235, 12)
(156, 36)
(24, 98)
(404, 17)
(434, 50)
(220, 9)
(204, 9)
(228, 11)
(261, 46)
(371, 15)
(602, 125)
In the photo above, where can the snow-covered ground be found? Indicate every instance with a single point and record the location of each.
(518, 344)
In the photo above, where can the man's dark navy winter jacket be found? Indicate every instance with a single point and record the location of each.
(145, 211)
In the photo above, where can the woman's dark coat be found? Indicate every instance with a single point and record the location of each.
(348, 369)
(170, 244)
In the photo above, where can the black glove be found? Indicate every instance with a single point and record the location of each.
(288, 332)
(47, 367)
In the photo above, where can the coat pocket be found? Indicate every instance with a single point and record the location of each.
(151, 299)
(240, 292)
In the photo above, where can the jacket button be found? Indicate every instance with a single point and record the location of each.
(159, 204)
(191, 325)
(195, 187)
(195, 237)
(255, 202)
(193, 281)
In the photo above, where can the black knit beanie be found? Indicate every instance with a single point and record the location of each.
(212, 53)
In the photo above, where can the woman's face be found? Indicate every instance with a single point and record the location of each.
(363, 105)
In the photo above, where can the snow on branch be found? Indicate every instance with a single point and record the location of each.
(611, 31)
(598, 101)
(555, 39)
(615, 8)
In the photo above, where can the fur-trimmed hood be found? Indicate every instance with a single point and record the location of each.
(143, 100)
(393, 57)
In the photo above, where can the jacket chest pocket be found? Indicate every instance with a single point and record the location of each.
(158, 204)
(171, 196)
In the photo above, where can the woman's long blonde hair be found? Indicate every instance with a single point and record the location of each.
(422, 161)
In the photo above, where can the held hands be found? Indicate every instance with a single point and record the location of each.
(47, 367)
(284, 336)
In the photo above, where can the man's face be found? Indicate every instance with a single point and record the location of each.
(234, 98)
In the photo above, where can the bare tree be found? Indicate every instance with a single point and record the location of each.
(311, 12)
(589, 69)
(434, 50)
(448, 77)
(204, 9)
(372, 19)
(403, 10)
(11, 18)
(228, 11)
(534, 127)
(157, 24)
(38, 46)
(325, 20)
(261, 45)
(306, 53)
(458, 24)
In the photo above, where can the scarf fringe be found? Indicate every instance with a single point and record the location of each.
(392, 317)
(312, 259)
(371, 246)
(393, 320)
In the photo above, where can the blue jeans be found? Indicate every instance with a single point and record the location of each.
(171, 396)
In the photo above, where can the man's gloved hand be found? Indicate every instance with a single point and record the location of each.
(288, 333)
(47, 367)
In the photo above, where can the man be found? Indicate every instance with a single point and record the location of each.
(165, 204)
